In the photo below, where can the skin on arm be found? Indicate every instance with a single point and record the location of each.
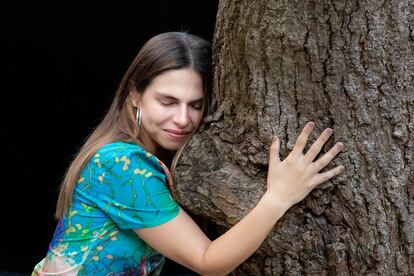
(288, 182)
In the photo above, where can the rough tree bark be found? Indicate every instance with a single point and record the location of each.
(348, 65)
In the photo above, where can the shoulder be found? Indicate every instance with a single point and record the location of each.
(122, 166)
(129, 185)
(126, 155)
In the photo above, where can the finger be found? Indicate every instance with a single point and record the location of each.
(317, 146)
(274, 150)
(303, 138)
(327, 157)
(325, 176)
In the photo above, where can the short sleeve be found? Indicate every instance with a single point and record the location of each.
(130, 187)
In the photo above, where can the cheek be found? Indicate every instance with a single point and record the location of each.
(154, 115)
(196, 117)
(156, 118)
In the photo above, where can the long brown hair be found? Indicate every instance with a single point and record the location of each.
(166, 51)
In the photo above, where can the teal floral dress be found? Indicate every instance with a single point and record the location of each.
(122, 188)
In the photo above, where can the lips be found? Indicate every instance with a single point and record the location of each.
(176, 134)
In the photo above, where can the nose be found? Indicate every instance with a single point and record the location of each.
(181, 117)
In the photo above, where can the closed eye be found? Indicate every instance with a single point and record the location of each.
(167, 102)
(197, 105)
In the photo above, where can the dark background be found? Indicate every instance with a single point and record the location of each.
(61, 63)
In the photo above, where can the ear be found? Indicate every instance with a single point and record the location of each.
(134, 95)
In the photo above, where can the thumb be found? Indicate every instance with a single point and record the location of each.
(274, 150)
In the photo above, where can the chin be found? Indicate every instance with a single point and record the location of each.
(170, 146)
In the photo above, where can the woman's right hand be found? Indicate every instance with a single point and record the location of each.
(181, 240)
(291, 180)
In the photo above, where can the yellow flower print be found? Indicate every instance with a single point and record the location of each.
(97, 155)
(110, 257)
(126, 162)
(97, 163)
(117, 159)
(61, 248)
(71, 230)
(148, 154)
(138, 171)
(114, 233)
(95, 258)
(148, 174)
(100, 248)
(81, 179)
(87, 208)
(84, 248)
(114, 238)
(78, 226)
(72, 213)
(101, 177)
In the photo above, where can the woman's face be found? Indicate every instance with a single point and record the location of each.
(170, 108)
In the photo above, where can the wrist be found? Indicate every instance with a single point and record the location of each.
(273, 205)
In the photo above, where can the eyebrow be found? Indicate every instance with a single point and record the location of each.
(175, 99)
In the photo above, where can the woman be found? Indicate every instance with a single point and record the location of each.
(115, 209)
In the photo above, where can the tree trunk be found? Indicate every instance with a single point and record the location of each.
(347, 65)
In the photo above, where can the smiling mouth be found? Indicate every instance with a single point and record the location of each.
(175, 135)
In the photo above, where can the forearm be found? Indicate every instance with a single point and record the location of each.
(242, 240)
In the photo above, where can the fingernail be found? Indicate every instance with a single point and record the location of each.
(329, 131)
(340, 145)
(311, 124)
